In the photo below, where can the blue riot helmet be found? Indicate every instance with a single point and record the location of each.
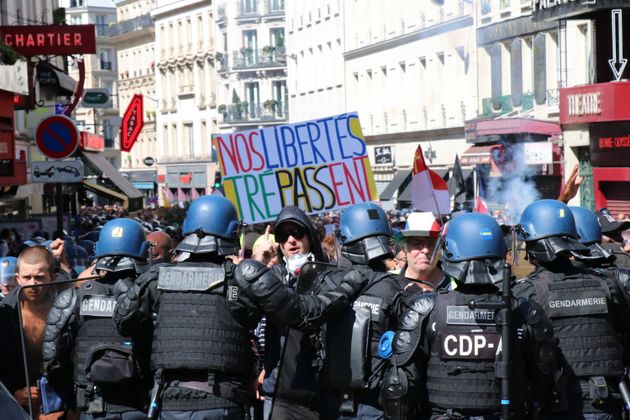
(364, 233)
(590, 234)
(587, 226)
(8, 267)
(548, 229)
(473, 249)
(122, 246)
(211, 225)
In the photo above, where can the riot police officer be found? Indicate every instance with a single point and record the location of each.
(202, 356)
(587, 312)
(600, 259)
(84, 357)
(452, 341)
(351, 372)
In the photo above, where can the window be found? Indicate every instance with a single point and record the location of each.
(276, 36)
(252, 97)
(276, 5)
(75, 19)
(249, 7)
(101, 25)
(108, 133)
(250, 46)
(189, 138)
(279, 95)
(105, 56)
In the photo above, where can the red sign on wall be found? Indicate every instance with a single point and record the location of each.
(30, 40)
(92, 142)
(600, 102)
(132, 123)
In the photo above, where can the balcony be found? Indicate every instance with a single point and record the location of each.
(131, 25)
(246, 58)
(246, 113)
(221, 62)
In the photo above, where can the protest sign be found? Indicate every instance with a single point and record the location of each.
(318, 165)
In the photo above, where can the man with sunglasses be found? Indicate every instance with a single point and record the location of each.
(350, 374)
(420, 235)
(290, 395)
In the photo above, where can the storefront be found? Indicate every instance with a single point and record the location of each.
(598, 117)
(144, 181)
(183, 184)
(506, 148)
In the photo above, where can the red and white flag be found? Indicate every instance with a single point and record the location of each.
(480, 199)
(429, 191)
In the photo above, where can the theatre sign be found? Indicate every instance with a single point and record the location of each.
(30, 40)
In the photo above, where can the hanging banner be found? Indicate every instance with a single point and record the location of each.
(319, 165)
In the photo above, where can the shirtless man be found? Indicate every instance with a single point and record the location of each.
(35, 265)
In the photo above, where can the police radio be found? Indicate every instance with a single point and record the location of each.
(504, 322)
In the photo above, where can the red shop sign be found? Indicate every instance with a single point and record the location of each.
(30, 40)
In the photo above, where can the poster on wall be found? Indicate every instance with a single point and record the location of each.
(318, 165)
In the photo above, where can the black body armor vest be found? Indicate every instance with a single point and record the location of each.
(580, 308)
(195, 329)
(102, 357)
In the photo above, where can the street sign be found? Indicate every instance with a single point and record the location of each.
(96, 98)
(57, 137)
(149, 161)
(66, 171)
(132, 123)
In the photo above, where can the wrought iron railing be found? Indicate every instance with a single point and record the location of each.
(131, 25)
(245, 112)
(266, 57)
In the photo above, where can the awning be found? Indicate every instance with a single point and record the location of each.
(50, 76)
(394, 184)
(141, 175)
(99, 164)
(477, 155)
(143, 185)
(480, 131)
(104, 191)
(406, 194)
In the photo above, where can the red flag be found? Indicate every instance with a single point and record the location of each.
(429, 191)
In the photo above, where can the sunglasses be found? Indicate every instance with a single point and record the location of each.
(283, 234)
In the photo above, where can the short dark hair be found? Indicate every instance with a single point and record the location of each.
(36, 254)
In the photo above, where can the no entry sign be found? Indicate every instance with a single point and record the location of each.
(57, 137)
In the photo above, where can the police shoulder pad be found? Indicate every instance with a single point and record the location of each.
(423, 303)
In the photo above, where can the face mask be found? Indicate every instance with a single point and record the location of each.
(296, 262)
(79, 269)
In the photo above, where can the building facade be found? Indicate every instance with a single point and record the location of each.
(133, 38)
(251, 62)
(100, 72)
(315, 64)
(410, 73)
(186, 92)
(594, 115)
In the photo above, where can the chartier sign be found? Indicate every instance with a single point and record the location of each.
(30, 40)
